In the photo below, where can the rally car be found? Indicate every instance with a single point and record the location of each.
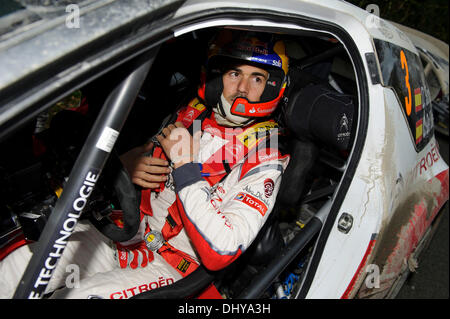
(83, 81)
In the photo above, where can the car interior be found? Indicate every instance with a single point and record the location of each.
(317, 118)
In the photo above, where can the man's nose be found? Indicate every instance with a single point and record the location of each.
(243, 86)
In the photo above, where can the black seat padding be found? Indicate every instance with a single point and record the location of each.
(319, 114)
(268, 243)
(303, 157)
(314, 114)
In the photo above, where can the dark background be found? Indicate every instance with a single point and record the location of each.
(429, 16)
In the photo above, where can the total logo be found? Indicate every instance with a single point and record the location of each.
(253, 202)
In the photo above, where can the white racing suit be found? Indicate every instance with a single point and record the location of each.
(208, 212)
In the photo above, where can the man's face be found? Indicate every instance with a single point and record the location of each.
(244, 81)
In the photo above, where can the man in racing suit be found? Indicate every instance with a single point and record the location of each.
(205, 196)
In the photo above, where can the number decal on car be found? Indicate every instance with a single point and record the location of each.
(408, 99)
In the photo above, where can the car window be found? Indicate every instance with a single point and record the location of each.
(9, 6)
(403, 71)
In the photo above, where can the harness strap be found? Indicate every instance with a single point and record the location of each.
(180, 261)
(173, 223)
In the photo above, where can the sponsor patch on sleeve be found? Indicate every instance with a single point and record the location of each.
(252, 202)
(268, 187)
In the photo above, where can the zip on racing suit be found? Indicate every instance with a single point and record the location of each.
(207, 212)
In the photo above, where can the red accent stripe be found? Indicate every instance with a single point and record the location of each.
(210, 292)
(146, 206)
(418, 124)
(417, 92)
(18, 242)
(443, 196)
(358, 271)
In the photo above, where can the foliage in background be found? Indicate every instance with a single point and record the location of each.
(429, 16)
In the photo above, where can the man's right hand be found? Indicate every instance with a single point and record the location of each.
(145, 171)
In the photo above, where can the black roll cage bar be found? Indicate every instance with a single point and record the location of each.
(82, 179)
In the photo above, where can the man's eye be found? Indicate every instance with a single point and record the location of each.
(258, 80)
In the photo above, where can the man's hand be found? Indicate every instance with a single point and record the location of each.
(178, 144)
(145, 171)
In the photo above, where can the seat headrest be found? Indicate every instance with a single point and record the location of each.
(320, 114)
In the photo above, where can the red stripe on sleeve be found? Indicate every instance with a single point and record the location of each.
(210, 258)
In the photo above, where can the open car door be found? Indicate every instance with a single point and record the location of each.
(47, 57)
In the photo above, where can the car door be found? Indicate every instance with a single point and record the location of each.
(52, 56)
